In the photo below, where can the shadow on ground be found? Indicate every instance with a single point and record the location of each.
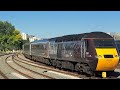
(116, 74)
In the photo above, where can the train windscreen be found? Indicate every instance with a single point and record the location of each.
(118, 44)
(104, 43)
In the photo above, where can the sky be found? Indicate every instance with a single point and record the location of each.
(49, 24)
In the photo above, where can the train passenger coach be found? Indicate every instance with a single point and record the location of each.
(88, 52)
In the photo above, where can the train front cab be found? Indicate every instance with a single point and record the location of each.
(108, 56)
(105, 55)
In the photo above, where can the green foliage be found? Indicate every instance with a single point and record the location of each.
(10, 38)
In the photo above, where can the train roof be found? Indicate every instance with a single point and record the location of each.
(40, 41)
(76, 37)
(52, 39)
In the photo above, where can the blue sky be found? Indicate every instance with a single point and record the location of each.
(47, 24)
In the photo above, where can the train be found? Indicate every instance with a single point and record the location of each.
(88, 53)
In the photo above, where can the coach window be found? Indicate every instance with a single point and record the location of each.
(86, 45)
(52, 46)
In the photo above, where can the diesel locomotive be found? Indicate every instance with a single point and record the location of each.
(87, 52)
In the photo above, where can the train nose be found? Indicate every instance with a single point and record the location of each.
(107, 59)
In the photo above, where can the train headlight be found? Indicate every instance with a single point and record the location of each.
(116, 56)
(99, 56)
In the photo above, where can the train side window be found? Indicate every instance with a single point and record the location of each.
(86, 45)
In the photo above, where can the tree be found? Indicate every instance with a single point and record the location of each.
(10, 38)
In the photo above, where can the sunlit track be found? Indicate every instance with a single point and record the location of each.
(1, 73)
(46, 76)
(17, 70)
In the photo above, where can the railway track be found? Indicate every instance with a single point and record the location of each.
(27, 76)
(30, 72)
(17, 59)
(3, 75)
(1, 72)
(31, 63)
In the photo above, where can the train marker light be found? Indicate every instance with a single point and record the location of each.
(104, 74)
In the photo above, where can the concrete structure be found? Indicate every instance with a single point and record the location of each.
(24, 36)
(33, 38)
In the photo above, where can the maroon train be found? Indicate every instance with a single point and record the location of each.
(87, 52)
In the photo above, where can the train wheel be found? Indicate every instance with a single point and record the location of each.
(63, 64)
(88, 70)
(78, 67)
